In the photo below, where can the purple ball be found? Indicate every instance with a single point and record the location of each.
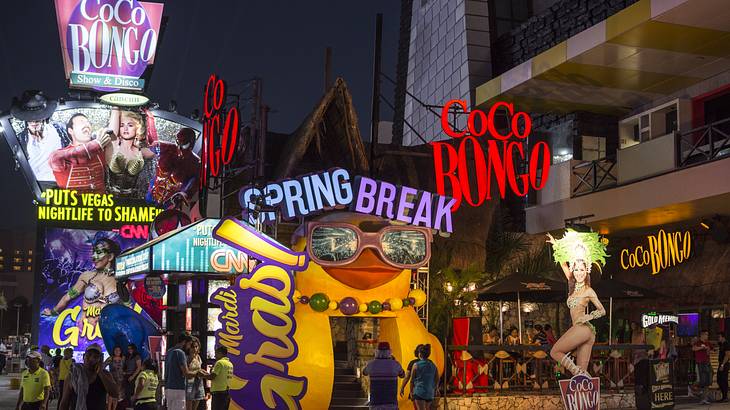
(386, 305)
(412, 301)
(348, 306)
(304, 300)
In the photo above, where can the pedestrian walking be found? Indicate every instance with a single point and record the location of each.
(88, 384)
(384, 372)
(35, 385)
(723, 365)
(145, 393)
(701, 350)
(115, 364)
(194, 389)
(425, 379)
(220, 376)
(176, 371)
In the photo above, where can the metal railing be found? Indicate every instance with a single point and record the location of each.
(504, 369)
(592, 176)
(703, 143)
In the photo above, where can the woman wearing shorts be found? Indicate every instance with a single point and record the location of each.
(425, 379)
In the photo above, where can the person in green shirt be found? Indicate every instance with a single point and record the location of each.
(145, 394)
(222, 371)
(35, 385)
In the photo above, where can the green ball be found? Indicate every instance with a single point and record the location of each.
(319, 302)
(406, 302)
(375, 307)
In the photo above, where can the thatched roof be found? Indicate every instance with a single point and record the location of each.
(328, 137)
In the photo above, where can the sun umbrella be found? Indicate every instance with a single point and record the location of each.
(519, 286)
(614, 288)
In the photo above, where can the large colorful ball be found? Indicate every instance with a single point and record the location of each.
(363, 307)
(411, 301)
(375, 307)
(395, 303)
(419, 296)
(304, 300)
(334, 305)
(319, 302)
(406, 302)
(386, 306)
(348, 306)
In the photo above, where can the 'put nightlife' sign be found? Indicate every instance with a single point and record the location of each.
(107, 44)
(333, 189)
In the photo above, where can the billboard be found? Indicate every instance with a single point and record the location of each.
(77, 281)
(134, 154)
(108, 44)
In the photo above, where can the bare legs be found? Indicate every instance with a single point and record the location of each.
(578, 338)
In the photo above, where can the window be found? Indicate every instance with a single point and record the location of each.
(594, 148)
(16, 268)
(509, 14)
(30, 251)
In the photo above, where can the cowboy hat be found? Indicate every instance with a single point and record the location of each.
(33, 106)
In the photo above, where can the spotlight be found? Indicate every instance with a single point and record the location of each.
(717, 228)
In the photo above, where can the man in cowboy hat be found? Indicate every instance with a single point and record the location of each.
(384, 372)
(40, 137)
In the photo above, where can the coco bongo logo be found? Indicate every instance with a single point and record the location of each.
(498, 162)
(581, 393)
(108, 43)
(663, 250)
(220, 134)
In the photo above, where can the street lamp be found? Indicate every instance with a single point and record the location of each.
(17, 307)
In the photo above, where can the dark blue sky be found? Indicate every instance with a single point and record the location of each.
(282, 42)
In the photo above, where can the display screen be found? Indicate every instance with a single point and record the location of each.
(93, 148)
(689, 325)
(73, 290)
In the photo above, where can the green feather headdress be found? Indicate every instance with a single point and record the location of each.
(580, 245)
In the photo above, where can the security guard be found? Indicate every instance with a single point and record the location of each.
(35, 385)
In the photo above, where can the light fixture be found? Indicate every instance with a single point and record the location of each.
(449, 288)
(505, 306)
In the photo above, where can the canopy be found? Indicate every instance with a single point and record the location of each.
(614, 288)
(529, 287)
(188, 249)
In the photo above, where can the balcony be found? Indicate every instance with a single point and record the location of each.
(667, 179)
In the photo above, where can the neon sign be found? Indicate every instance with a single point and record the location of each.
(217, 129)
(260, 306)
(581, 393)
(664, 250)
(335, 189)
(133, 231)
(498, 162)
(108, 43)
(650, 319)
(70, 205)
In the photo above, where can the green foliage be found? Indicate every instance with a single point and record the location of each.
(565, 248)
(452, 292)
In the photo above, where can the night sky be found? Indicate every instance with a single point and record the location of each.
(282, 42)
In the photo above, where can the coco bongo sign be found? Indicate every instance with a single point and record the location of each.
(108, 44)
(498, 162)
(581, 393)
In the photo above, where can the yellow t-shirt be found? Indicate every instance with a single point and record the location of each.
(33, 385)
(149, 381)
(223, 370)
(64, 368)
(654, 336)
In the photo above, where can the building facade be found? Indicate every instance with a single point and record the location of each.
(17, 264)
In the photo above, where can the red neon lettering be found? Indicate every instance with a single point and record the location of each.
(220, 136)
(445, 118)
(497, 163)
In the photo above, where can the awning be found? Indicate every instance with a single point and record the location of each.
(189, 249)
(644, 52)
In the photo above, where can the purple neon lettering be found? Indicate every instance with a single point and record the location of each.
(386, 197)
(404, 203)
(366, 192)
(422, 216)
(442, 217)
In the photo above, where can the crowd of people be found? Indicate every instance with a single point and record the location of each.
(539, 335)
(123, 380)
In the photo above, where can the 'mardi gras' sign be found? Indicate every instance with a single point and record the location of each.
(581, 392)
(260, 340)
(107, 44)
(334, 189)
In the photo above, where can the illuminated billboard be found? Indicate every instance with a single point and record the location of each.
(189, 249)
(108, 44)
(76, 282)
(135, 154)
